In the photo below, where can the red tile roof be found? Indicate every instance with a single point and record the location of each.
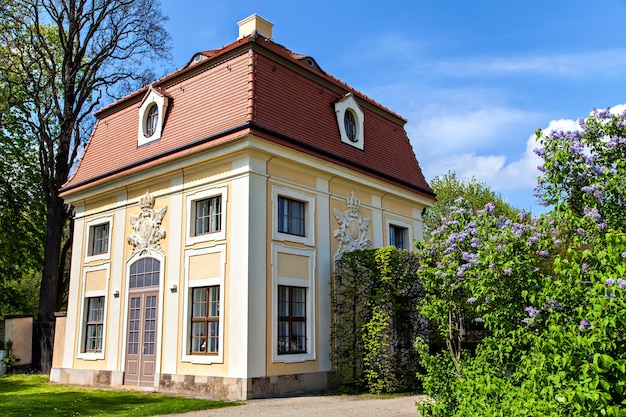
(252, 85)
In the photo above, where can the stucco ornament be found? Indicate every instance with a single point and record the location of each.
(147, 233)
(352, 234)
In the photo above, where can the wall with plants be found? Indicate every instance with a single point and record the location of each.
(375, 298)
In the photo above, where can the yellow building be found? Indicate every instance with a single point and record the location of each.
(209, 209)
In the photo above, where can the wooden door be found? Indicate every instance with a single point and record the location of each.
(141, 338)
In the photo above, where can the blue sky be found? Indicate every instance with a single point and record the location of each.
(475, 79)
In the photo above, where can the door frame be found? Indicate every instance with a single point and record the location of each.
(160, 307)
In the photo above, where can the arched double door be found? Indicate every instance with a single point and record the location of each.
(142, 320)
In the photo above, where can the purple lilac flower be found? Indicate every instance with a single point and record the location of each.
(584, 325)
(479, 320)
(532, 311)
(580, 231)
(624, 255)
(529, 322)
(621, 283)
(508, 271)
(552, 304)
(609, 282)
(471, 300)
(593, 213)
(557, 241)
(542, 253)
(490, 207)
(492, 266)
(608, 297)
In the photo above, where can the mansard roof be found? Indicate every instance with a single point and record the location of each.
(251, 86)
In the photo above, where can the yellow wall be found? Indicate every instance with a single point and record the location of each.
(313, 181)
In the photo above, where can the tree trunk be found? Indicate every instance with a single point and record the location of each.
(57, 215)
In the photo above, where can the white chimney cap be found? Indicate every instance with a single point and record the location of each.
(255, 23)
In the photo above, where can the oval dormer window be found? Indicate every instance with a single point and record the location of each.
(350, 125)
(152, 120)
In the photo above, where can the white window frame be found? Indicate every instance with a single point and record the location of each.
(348, 103)
(162, 102)
(309, 285)
(186, 355)
(82, 330)
(190, 234)
(400, 223)
(309, 216)
(89, 241)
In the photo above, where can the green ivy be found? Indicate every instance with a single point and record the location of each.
(375, 298)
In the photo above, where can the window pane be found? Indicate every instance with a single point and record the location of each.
(145, 273)
(205, 320)
(291, 319)
(397, 236)
(290, 216)
(94, 326)
(100, 239)
(214, 304)
(208, 215)
(350, 125)
(283, 336)
(213, 337)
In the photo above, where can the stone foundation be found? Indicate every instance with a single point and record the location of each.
(231, 389)
(86, 377)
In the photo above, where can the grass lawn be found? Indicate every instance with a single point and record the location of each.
(33, 395)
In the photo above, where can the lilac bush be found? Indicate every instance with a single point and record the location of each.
(550, 292)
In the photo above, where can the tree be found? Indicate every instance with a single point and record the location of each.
(450, 187)
(584, 169)
(69, 55)
(22, 212)
(551, 292)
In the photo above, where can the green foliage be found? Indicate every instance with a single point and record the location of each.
(9, 356)
(32, 395)
(376, 320)
(556, 340)
(450, 187)
(22, 210)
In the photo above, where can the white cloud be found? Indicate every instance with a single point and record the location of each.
(608, 62)
(469, 131)
(501, 172)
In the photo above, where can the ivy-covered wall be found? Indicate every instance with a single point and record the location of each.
(375, 298)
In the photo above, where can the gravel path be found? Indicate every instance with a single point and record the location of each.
(317, 406)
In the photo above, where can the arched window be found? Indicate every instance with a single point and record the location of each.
(152, 120)
(145, 272)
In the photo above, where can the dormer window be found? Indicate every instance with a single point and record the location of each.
(152, 120)
(350, 121)
(152, 113)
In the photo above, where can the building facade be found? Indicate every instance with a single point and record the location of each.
(209, 209)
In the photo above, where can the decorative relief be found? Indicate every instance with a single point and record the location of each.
(352, 234)
(147, 233)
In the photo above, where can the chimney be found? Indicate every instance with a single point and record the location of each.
(255, 23)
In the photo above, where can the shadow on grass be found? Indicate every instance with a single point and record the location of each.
(34, 396)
